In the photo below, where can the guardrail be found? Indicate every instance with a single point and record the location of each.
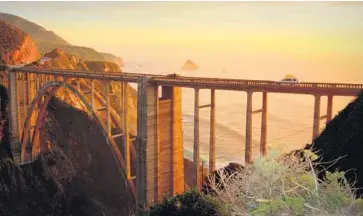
(252, 83)
(189, 81)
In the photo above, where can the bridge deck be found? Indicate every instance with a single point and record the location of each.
(337, 89)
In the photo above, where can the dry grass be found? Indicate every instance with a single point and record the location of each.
(290, 186)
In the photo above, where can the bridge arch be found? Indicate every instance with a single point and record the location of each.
(30, 143)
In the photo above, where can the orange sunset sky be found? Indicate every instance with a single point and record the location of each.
(325, 37)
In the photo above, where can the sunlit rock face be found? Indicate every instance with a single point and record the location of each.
(16, 47)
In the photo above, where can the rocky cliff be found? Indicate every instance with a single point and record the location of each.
(16, 47)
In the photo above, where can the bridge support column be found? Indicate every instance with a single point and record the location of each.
(196, 147)
(147, 145)
(316, 124)
(248, 143)
(93, 94)
(126, 137)
(108, 104)
(26, 86)
(14, 117)
(263, 143)
(171, 157)
(329, 111)
(212, 145)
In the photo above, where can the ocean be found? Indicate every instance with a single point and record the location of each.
(289, 118)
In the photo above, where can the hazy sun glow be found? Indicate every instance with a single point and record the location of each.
(319, 36)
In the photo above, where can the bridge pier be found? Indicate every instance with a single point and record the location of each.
(263, 142)
(144, 193)
(108, 104)
(14, 117)
(126, 137)
(171, 157)
(92, 94)
(196, 147)
(212, 145)
(248, 142)
(316, 124)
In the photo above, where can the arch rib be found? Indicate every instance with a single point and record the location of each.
(48, 90)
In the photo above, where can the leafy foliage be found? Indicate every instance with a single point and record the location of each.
(287, 186)
(189, 203)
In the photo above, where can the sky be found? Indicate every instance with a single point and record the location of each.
(312, 33)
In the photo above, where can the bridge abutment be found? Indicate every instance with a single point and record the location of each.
(171, 158)
(160, 158)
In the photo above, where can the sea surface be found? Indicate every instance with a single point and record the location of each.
(290, 116)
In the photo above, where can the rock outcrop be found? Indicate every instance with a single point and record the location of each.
(189, 65)
(16, 47)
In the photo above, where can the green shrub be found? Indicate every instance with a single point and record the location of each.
(288, 186)
(190, 203)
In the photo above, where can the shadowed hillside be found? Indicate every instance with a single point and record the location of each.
(82, 141)
(343, 139)
(47, 40)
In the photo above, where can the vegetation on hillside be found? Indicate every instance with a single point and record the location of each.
(190, 203)
(269, 187)
(11, 38)
(42, 188)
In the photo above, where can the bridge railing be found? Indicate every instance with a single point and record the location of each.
(187, 80)
(246, 83)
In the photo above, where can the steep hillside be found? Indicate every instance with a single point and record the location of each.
(16, 47)
(38, 33)
(61, 60)
(340, 145)
(85, 53)
(48, 40)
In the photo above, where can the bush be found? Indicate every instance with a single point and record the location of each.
(190, 203)
(287, 186)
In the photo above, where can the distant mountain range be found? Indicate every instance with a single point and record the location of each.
(47, 40)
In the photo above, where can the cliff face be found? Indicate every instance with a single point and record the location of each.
(61, 60)
(47, 40)
(16, 47)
